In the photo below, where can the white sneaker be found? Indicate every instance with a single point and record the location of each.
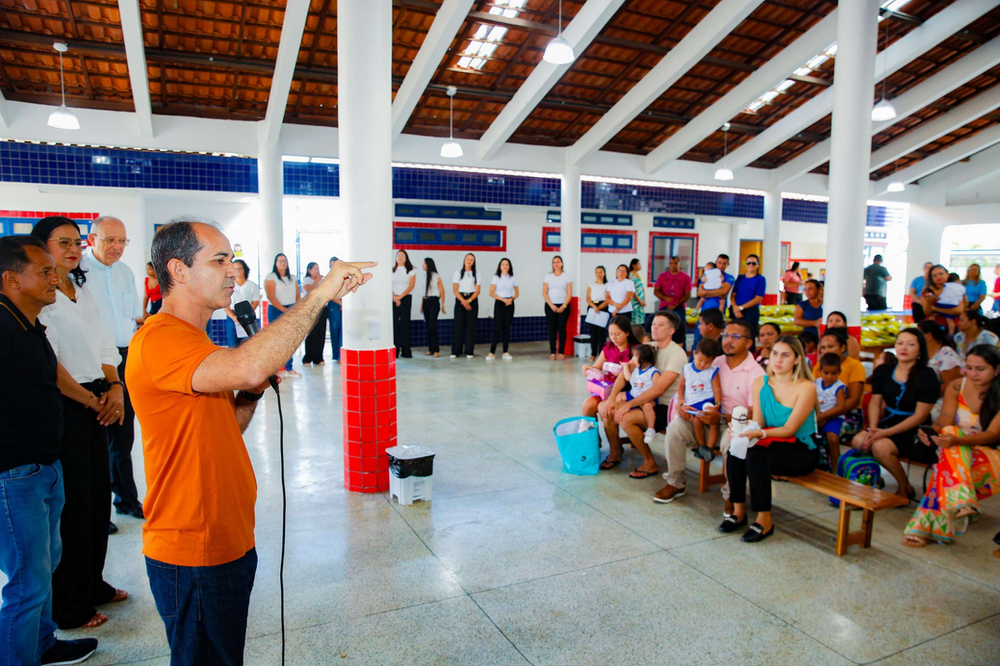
(452, 356)
(469, 356)
(507, 357)
(649, 436)
(490, 357)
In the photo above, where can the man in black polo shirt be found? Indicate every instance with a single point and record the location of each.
(31, 480)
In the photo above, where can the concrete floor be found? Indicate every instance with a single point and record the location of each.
(515, 562)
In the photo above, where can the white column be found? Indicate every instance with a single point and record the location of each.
(364, 70)
(734, 250)
(771, 267)
(569, 250)
(271, 189)
(850, 156)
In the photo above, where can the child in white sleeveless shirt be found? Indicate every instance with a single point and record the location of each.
(700, 386)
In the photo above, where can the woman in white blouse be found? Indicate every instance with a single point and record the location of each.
(404, 278)
(597, 300)
(316, 339)
(93, 398)
(557, 290)
(503, 289)
(282, 293)
(466, 285)
(432, 306)
(620, 292)
(245, 290)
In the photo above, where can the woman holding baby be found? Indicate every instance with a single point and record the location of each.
(615, 355)
(780, 438)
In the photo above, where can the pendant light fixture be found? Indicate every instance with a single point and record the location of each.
(724, 173)
(896, 185)
(559, 52)
(884, 110)
(451, 149)
(63, 118)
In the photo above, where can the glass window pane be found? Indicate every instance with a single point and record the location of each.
(427, 236)
(402, 236)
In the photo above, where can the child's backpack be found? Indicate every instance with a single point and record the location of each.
(858, 466)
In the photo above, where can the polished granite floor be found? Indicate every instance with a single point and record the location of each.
(515, 562)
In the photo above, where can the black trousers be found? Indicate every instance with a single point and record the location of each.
(918, 313)
(401, 326)
(503, 319)
(432, 308)
(465, 328)
(120, 441)
(680, 334)
(875, 302)
(316, 340)
(557, 328)
(780, 458)
(792, 298)
(78, 582)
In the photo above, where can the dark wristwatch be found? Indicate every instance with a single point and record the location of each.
(251, 397)
(110, 384)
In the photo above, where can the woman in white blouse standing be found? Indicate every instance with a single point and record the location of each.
(557, 290)
(316, 339)
(504, 290)
(596, 295)
(466, 285)
(404, 278)
(432, 306)
(620, 293)
(93, 398)
(282, 293)
(245, 290)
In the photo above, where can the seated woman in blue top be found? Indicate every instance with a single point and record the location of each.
(975, 288)
(747, 294)
(784, 404)
(809, 311)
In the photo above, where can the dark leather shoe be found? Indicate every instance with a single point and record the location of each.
(112, 528)
(756, 533)
(133, 509)
(731, 524)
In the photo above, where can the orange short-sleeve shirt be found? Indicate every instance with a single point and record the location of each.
(851, 371)
(200, 484)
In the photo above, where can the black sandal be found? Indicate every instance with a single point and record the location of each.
(642, 474)
(607, 464)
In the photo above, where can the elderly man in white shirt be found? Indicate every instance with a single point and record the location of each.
(112, 285)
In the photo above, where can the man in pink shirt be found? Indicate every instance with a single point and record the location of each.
(737, 372)
(673, 288)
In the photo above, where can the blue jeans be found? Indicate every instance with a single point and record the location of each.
(204, 609)
(336, 317)
(273, 314)
(30, 548)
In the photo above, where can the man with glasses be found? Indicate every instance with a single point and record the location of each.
(747, 294)
(737, 372)
(113, 286)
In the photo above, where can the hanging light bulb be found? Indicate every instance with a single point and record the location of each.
(63, 118)
(724, 173)
(559, 52)
(896, 186)
(884, 110)
(451, 148)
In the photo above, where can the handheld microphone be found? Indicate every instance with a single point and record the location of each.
(248, 320)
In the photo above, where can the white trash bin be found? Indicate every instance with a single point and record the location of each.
(581, 345)
(411, 473)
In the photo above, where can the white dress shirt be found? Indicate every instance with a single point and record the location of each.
(113, 288)
(248, 291)
(78, 336)
(466, 283)
(504, 285)
(284, 290)
(401, 280)
(558, 287)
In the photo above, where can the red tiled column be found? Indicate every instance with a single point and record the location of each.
(368, 379)
(573, 326)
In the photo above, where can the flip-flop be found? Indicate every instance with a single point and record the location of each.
(642, 474)
(120, 595)
(96, 621)
(609, 464)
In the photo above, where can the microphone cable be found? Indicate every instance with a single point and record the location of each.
(284, 519)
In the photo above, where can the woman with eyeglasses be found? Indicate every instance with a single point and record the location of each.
(93, 399)
(747, 294)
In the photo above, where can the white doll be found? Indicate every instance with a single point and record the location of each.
(739, 424)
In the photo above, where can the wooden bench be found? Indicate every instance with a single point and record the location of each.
(705, 477)
(851, 495)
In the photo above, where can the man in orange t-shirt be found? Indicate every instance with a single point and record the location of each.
(193, 401)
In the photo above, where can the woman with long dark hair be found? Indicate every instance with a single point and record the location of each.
(282, 293)
(432, 305)
(972, 331)
(597, 300)
(316, 339)
(152, 299)
(504, 290)
(557, 290)
(404, 279)
(838, 319)
(941, 354)
(903, 394)
(618, 351)
(93, 398)
(968, 463)
(245, 290)
(466, 285)
(792, 281)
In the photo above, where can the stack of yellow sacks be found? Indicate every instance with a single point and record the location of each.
(876, 329)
